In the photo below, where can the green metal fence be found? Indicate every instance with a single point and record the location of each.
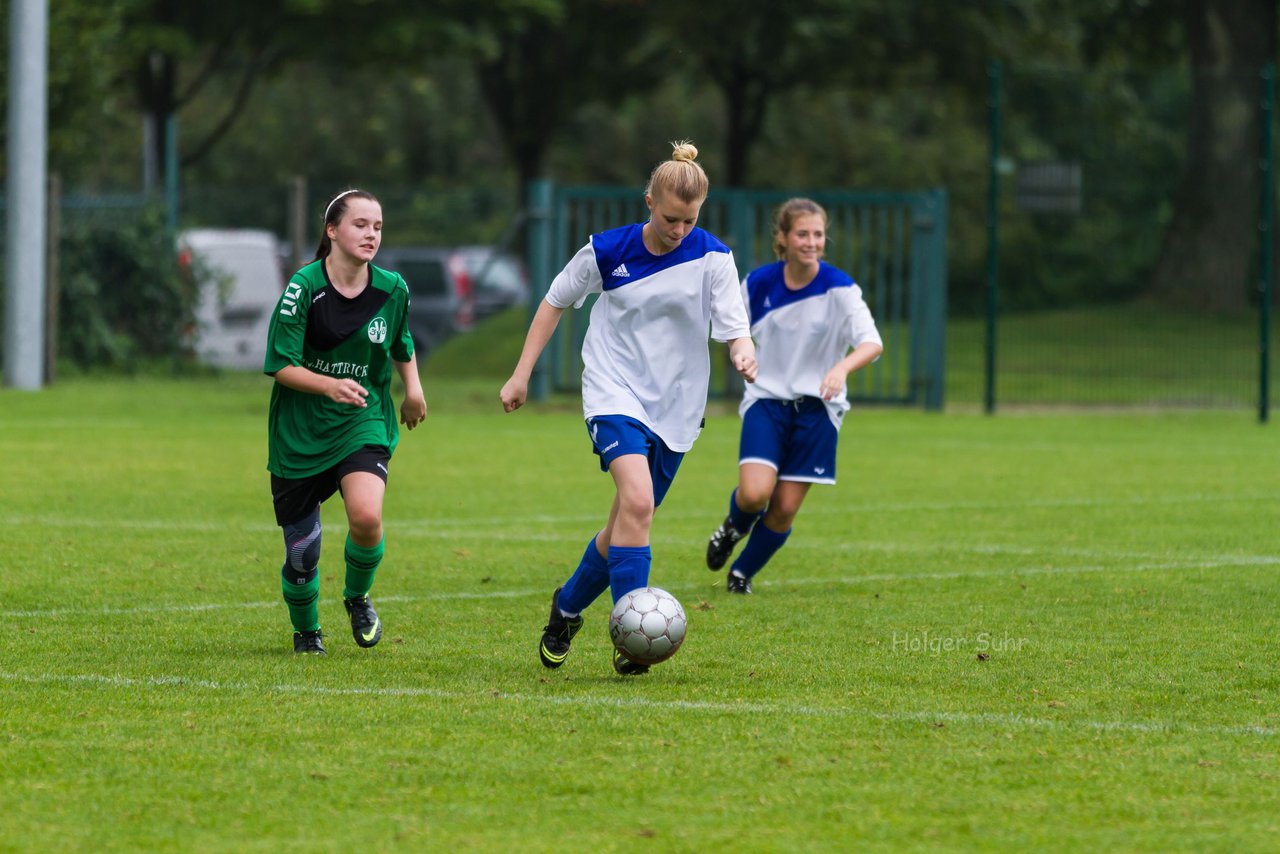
(894, 245)
(1087, 170)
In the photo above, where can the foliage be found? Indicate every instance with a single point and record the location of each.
(1124, 129)
(449, 110)
(536, 65)
(124, 298)
(415, 139)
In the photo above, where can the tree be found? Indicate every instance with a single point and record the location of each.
(1205, 260)
(754, 50)
(176, 48)
(538, 61)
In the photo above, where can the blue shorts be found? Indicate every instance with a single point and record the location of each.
(795, 438)
(613, 436)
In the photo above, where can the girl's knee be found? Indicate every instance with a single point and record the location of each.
(365, 526)
(780, 518)
(751, 500)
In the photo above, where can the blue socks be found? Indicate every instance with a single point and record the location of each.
(586, 584)
(628, 569)
(761, 546)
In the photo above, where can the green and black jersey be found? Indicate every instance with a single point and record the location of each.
(317, 328)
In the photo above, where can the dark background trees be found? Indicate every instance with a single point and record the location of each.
(1205, 260)
(448, 110)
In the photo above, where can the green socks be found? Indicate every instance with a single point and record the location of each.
(362, 563)
(302, 599)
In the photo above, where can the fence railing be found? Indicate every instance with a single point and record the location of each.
(893, 244)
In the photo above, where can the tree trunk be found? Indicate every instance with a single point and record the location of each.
(157, 93)
(746, 101)
(1208, 247)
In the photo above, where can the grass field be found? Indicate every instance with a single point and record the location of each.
(1034, 631)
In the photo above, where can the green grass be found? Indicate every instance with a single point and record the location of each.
(1118, 573)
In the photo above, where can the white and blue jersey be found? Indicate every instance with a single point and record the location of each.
(800, 335)
(645, 353)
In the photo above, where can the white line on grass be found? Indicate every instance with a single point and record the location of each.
(446, 527)
(922, 716)
(1175, 566)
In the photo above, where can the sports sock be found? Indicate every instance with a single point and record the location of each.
(586, 584)
(761, 546)
(739, 518)
(301, 599)
(362, 563)
(628, 569)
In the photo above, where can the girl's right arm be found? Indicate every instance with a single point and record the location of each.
(343, 390)
(545, 321)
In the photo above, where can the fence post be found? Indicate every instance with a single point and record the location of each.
(740, 228)
(298, 219)
(539, 261)
(1266, 218)
(51, 273)
(936, 305)
(171, 197)
(995, 84)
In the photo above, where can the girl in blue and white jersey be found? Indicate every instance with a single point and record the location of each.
(813, 330)
(645, 371)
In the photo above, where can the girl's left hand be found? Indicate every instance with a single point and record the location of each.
(413, 411)
(745, 364)
(832, 383)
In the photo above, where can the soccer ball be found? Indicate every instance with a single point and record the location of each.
(647, 625)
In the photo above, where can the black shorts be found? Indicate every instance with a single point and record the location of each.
(297, 499)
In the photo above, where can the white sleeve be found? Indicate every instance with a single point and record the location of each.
(729, 319)
(862, 326)
(579, 278)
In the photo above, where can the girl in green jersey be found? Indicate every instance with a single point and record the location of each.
(340, 329)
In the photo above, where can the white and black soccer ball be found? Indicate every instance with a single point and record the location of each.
(647, 625)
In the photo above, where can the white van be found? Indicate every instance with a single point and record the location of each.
(234, 312)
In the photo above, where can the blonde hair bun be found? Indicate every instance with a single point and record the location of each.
(684, 151)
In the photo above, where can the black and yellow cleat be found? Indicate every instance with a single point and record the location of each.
(309, 643)
(557, 635)
(627, 667)
(366, 628)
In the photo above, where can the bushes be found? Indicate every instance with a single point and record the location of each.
(124, 300)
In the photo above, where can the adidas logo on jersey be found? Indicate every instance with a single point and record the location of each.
(621, 271)
(767, 303)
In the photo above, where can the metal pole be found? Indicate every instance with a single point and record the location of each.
(26, 165)
(1266, 219)
(52, 283)
(541, 197)
(298, 221)
(171, 195)
(936, 307)
(995, 83)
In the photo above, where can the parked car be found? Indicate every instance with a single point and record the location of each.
(452, 287)
(439, 300)
(498, 279)
(233, 314)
